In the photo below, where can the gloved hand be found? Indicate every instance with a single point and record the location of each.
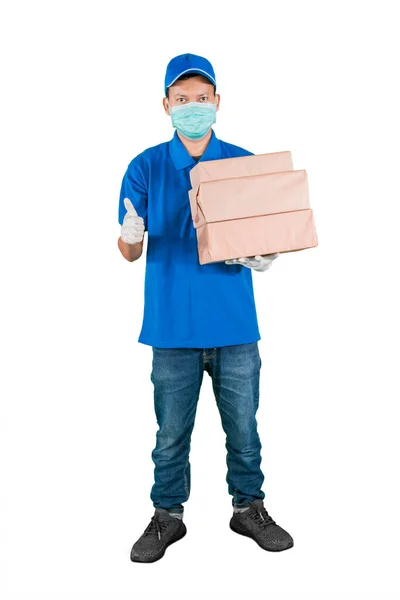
(257, 263)
(132, 230)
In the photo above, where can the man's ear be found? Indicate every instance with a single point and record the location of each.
(217, 100)
(165, 104)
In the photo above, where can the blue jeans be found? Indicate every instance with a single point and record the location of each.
(177, 375)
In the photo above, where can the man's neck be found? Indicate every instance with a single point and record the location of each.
(195, 147)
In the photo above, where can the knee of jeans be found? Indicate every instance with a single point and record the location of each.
(172, 436)
(166, 444)
(244, 435)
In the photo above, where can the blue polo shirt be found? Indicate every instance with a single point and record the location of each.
(186, 305)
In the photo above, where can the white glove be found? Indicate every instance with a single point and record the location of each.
(257, 263)
(132, 230)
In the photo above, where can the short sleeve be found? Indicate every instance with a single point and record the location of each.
(134, 187)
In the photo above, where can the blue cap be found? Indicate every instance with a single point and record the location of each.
(188, 63)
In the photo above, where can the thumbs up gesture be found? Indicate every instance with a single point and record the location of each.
(132, 230)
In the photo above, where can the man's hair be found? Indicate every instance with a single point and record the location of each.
(188, 76)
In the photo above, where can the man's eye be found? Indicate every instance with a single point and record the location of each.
(204, 97)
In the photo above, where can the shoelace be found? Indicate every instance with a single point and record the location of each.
(261, 517)
(155, 527)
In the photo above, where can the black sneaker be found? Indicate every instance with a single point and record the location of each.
(258, 525)
(162, 531)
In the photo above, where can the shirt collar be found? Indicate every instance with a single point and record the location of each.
(181, 157)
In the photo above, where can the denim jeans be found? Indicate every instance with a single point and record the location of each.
(177, 375)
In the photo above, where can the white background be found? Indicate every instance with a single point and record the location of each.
(82, 95)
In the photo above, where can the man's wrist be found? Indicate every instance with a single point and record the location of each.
(130, 251)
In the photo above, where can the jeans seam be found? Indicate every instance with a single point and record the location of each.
(185, 479)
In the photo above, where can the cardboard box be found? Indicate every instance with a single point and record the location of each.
(250, 205)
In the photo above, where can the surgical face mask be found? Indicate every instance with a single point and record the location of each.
(194, 119)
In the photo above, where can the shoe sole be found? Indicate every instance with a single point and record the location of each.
(181, 535)
(263, 547)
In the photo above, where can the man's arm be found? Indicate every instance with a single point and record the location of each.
(130, 252)
(134, 187)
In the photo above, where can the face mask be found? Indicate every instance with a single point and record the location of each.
(193, 120)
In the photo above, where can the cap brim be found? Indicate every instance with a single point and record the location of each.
(199, 71)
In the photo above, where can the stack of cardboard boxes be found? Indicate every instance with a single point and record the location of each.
(250, 205)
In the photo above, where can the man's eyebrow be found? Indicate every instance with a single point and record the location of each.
(184, 95)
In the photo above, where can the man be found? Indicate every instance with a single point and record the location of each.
(196, 318)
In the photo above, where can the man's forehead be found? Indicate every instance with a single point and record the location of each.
(180, 91)
(199, 86)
